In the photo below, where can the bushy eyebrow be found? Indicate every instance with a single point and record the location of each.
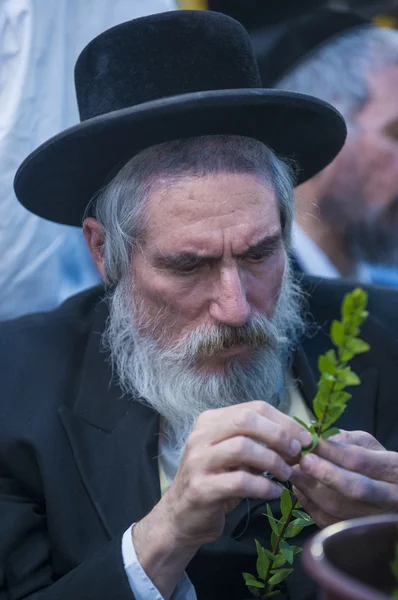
(182, 260)
(267, 245)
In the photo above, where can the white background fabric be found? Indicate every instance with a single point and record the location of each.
(42, 263)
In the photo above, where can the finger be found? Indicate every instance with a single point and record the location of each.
(328, 502)
(240, 484)
(376, 464)
(320, 518)
(358, 438)
(353, 486)
(257, 420)
(240, 450)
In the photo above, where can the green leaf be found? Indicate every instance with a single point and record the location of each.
(328, 377)
(279, 576)
(347, 377)
(326, 365)
(329, 432)
(251, 581)
(345, 355)
(286, 503)
(286, 551)
(348, 307)
(360, 298)
(338, 397)
(357, 346)
(333, 413)
(269, 554)
(262, 561)
(394, 593)
(337, 333)
(296, 550)
(327, 382)
(323, 398)
(300, 514)
(279, 561)
(304, 522)
(271, 594)
(294, 528)
(307, 427)
(319, 406)
(330, 419)
(314, 443)
(331, 354)
(272, 521)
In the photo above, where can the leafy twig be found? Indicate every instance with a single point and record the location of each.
(329, 404)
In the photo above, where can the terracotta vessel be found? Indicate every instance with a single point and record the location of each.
(350, 560)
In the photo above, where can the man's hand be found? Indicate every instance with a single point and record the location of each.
(350, 475)
(222, 463)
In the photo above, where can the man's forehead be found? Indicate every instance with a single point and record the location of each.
(381, 106)
(198, 205)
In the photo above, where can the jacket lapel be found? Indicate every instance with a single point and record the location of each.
(114, 440)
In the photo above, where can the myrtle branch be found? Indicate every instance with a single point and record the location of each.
(328, 405)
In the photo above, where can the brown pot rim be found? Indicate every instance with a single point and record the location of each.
(322, 570)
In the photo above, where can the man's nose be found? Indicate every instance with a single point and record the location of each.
(229, 304)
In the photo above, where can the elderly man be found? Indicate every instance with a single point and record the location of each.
(346, 216)
(138, 422)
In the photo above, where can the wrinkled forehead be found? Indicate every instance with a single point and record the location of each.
(216, 204)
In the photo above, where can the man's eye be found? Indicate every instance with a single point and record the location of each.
(187, 269)
(257, 256)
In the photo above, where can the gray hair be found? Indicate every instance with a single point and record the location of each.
(339, 71)
(120, 206)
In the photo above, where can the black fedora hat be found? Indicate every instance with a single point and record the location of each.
(172, 75)
(293, 42)
(255, 14)
(286, 32)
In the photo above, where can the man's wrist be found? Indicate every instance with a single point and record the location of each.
(161, 556)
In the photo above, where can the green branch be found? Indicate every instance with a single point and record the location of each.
(329, 404)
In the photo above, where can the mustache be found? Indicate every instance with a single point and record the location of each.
(205, 342)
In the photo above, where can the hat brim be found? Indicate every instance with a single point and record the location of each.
(58, 179)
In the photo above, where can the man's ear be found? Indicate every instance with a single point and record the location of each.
(95, 238)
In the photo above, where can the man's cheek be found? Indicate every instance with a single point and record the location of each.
(265, 287)
(380, 178)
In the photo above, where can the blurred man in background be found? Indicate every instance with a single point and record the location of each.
(42, 263)
(347, 216)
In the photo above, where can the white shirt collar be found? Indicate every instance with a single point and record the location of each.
(314, 261)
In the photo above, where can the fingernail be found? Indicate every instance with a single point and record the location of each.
(295, 447)
(306, 438)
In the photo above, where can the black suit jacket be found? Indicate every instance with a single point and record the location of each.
(78, 460)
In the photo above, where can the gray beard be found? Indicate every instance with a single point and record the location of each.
(167, 380)
(372, 238)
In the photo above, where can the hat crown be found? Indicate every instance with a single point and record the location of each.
(163, 55)
(255, 14)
